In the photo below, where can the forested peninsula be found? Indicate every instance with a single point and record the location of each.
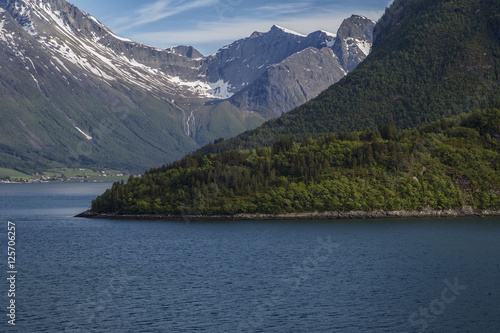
(447, 168)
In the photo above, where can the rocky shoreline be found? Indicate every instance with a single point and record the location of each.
(376, 214)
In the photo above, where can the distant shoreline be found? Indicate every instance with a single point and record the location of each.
(376, 214)
(58, 182)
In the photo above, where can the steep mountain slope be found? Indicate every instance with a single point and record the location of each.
(430, 59)
(69, 97)
(284, 86)
(313, 64)
(72, 93)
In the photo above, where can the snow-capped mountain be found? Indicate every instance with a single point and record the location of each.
(72, 91)
(73, 38)
(237, 65)
(241, 65)
(354, 41)
(310, 64)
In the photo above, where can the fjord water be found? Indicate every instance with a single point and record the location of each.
(80, 275)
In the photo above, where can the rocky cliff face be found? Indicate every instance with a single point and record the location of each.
(354, 41)
(289, 84)
(186, 51)
(237, 65)
(304, 74)
(73, 92)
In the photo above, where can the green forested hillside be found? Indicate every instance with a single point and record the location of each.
(397, 133)
(432, 59)
(445, 164)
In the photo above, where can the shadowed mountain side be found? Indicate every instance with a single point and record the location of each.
(282, 87)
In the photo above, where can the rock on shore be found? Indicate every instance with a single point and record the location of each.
(376, 214)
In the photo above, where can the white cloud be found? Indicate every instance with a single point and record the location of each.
(159, 10)
(284, 8)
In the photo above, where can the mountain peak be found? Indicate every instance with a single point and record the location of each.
(356, 26)
(256, 34)
(186, 51)
(322, 34)
(357, 16)
(277, 28)
(328, 33)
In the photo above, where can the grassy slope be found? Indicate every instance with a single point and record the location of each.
(134, 136)
(226, 121)
(4, 172)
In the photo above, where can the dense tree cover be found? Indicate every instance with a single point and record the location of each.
(445, 164)
(437, 58)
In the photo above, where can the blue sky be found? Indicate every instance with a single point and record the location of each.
(211, 24)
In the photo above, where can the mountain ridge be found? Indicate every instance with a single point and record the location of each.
(73, 93)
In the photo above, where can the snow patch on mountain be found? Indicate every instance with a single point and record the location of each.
(331, 43)
(364, 46)
(24, 17)
(331, 34)
(60, 63)
(29, 28)
(22, 9)
(94, 19)
(119, 38)
(220, 89)
(88, 64)
(197, 87)
(89, 53)
(2, 23)
(288, 31)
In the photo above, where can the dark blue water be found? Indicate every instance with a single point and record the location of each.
(79, 275)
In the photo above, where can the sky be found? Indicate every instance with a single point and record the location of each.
(210, 24)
